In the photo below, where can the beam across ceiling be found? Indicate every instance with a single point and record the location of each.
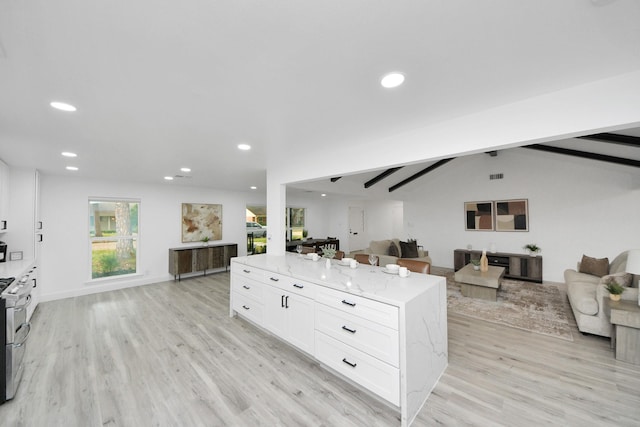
(417, 175)
(382, 176)
(614, 138)
(585, 155)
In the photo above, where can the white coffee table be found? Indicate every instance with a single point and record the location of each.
(478, 284)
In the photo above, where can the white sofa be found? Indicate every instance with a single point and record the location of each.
(381, 249)
(587, 293)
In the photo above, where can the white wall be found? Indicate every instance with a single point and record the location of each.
(576, 207)
(21, 220)
(65, 266)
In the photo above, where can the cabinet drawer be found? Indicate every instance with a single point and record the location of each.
(248, 308)
(289, 284)
(374, 375)
(370, 310)
(379, 341)
(246, 286)
(246, 271)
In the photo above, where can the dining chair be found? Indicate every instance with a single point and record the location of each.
(414, 265)
(339, 255)
(308, 250)
(364, 259)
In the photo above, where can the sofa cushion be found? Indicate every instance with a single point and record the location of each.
(409, 249)
(379, 247)
(582, 296)
(393, 250)
(622, 279)
(597, 267)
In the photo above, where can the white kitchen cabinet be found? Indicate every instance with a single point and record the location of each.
(4, 197)
(289, 316)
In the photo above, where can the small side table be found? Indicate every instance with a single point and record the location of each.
(625, 336)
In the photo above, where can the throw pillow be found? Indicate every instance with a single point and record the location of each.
(409, 249)
(622, 279)
(597, 267)
(393, 250)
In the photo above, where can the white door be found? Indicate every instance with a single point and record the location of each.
(357, 239)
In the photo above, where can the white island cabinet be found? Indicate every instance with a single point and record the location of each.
(386, 333)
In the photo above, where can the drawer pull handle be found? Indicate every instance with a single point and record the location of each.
(352, 304)
(295, 285)
(246, 287)
(353, 365)
(247, 271)
(353, 331)
(245, 307)
(273, 279)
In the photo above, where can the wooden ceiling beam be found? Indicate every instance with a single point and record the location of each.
(417, 175)
(382, 176)
(613, 138)
(585, 155)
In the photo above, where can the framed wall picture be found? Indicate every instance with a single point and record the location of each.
(512, 215)
(478, 216)
(200, 220)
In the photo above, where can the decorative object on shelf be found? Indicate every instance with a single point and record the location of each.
(205, 241)
(633, 264)
(532, 248)
(476, 264)
(478, 216)
(615, 290)
(512, 215)
(484, 262)
(201, 220)
(305, 233)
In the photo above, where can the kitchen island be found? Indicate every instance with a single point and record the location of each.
(385, 333)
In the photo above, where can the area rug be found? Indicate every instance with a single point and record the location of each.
(535, 307)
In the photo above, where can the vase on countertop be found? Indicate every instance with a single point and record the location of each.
(328, 263)
(484, 262)
(614, 297)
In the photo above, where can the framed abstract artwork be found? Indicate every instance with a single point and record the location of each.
(201, 221)
(512, 215)
(478, 216)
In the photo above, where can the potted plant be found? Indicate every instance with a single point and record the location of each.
(532, 248)
(328, 253)
(305, 233)
(615, 289)
(476, 264)
(205, 241)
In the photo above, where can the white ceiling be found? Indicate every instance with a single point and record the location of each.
(164, 84)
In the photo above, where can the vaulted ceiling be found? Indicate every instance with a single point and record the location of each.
(161, 85)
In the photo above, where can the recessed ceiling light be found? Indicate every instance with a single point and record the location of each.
(168, 178)
(323, 195)
(185, 169)
(244, 147)
(392, 80)
(63, 106)
(72, 168)
(253, 187)
(69, 154)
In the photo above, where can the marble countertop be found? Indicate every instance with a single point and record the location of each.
(15, 268)
(366, 281)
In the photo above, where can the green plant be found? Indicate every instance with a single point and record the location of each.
(613, 287)
(328, 252)
(305, 233)
(108, 262)
(532, 247)
(205, 239)
(475, 262)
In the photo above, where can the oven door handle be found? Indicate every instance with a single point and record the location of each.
(25, 305)
(28, 325)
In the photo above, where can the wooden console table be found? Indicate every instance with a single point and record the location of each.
(625, 337)
(516, 266)
(200, 258)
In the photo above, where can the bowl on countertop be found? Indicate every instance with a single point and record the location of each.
(392, 267)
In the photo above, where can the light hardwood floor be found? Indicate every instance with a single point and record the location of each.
(168, 355)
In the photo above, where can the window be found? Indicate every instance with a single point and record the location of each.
(295, 223)
(113, 237)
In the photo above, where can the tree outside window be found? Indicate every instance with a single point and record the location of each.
(113, 235)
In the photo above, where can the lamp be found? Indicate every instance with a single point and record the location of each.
(633, 264)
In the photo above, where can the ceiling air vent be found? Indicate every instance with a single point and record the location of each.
(496, 176)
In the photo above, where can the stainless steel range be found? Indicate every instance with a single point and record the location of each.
(15, 297)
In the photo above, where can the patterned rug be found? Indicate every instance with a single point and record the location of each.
(534, 307)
